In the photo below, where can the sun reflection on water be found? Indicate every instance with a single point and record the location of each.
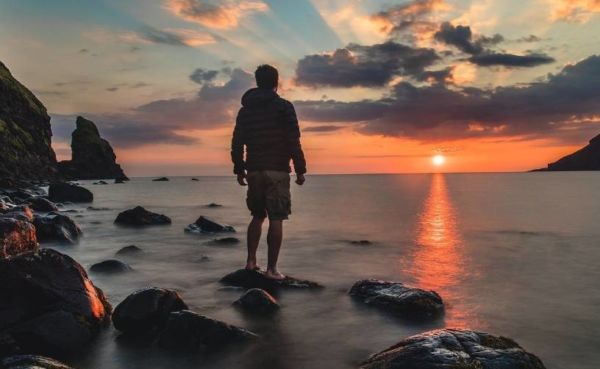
(438, 263)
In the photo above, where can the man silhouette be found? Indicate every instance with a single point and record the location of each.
(267, 126)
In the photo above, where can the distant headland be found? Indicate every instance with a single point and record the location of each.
(587, 158)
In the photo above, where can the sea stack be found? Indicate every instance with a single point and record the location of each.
(25, 132)
(92, 156)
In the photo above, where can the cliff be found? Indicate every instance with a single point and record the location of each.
(25, 133)
(92, 156)
(588, 158)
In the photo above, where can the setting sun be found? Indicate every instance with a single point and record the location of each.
(438, 160)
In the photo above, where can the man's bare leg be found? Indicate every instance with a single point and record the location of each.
(253, 238)
(274, 239)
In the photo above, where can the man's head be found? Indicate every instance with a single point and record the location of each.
(266, 76)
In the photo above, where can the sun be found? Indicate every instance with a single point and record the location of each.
(438, 160)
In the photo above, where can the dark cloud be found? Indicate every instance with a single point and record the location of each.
(511, 60)
(201, 76)
(530, 38)
(158, 36)
(359, 65)
(413, 15)
(561, 106)
(83, 51)
(112, 89)
(322, 129)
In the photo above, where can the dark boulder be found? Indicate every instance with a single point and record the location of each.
(31, 362)
(25, 132)
(146, 311)
(20, 212)
(49, 305)
(129, 250)
(161, 179)
(16, 237)
(63, 191)
(139, 216)
(195, 179)
(361, 242)
(255, 279)
(42, 204)
(224, 241)
(186, 330)
(101, 183)
(396, 298)
(257, 301)
(454, 348)
(205, 225)
(110, 266)
(214, 205)
(56, 227)
(92, 156)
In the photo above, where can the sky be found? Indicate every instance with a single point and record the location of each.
(378, 86)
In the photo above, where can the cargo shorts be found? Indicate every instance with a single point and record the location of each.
(269, 194)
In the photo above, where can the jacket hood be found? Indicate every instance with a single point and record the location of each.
(258, 96)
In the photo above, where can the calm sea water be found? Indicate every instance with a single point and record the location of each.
(512, 254)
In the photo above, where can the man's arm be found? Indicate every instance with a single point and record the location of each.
(293, 138)
(237, 148)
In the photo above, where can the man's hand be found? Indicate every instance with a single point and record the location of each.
(300, 179)
(241, 178)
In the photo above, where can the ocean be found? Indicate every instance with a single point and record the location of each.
(513, 254)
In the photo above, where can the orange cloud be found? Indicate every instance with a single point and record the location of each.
(222, 16)
(574, 10)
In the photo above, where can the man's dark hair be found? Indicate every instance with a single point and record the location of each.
(266, 76)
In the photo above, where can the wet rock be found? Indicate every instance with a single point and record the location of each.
(255, 279)
(139, 216)
(453, 348)
(20, 212)
(396, 298)
(63, 191)
(186, 330)
(42, 204)
(92, 156)
(214, 205)
(257, 301)
(93, 208)
(49, 305)
(56, 227)
(195, 179)
(16, 237)
(120, 180)
(101, 183)
(224, 241)
(146, 311)
(129, 250)
(361, 242)
(110, 266)
(31, 362)
(205, 225)
(161, 179)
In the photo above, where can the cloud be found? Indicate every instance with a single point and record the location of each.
(414, 14)
(201, 76)
(222, 15)
(174, 37)
(322, 128)
(578, 11)
(358, 65)
(511, 60)
(559, 107)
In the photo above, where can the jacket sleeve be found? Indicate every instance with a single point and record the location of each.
(237, 147)
(293, 138)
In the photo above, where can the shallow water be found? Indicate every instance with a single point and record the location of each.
(511, 254)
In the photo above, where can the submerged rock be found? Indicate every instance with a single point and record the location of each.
(186, 330)
(454, 348)
(361, 242)
(31, 362)
(195, 179)
(224, 241)
(161, 179)
(214, 205)
(257, 301)
(56, 227)
(110, 266)
(63, 191)
(101, 183)
(139, 216)
(255, 279)
(42, 204)
(92, 156)
(205, 225)
(395, 297)
(146, 311)
(48, 304)
(129, 250)
(16, 237)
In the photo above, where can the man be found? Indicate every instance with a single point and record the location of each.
(267, 125)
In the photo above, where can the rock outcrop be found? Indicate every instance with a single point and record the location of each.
(92, 156)
(257, 301)
(255, 279)
(146, 311)
(25, 132)
(16, 237)
(454, 348)
(42, 204)
(64, 191)
(49, 305)
(205, 225)
(56, 227)
(31, 362)
(588, 158)
(139, 216)
(398, 299)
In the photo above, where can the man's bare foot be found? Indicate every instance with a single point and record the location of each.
(275, 275)
(252, 266)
